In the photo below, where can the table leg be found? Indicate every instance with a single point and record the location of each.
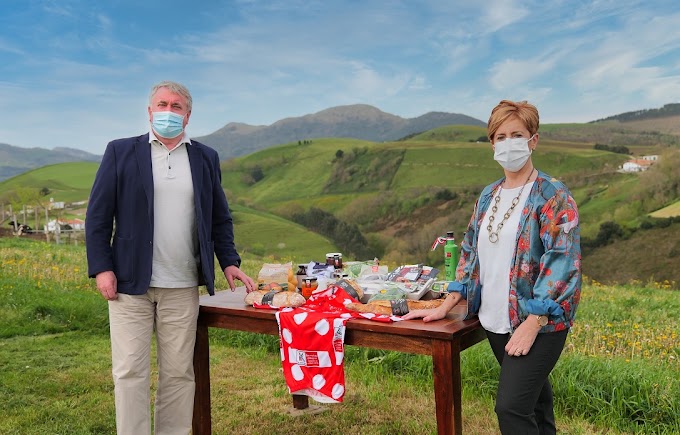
(447, 386)
(300, 401)
(202, 424)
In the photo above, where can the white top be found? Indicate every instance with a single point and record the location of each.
(495, 260)
(175, 237)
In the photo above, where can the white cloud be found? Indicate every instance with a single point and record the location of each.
(56, 7)
(501, 13)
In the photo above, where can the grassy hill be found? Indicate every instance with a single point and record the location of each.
(68, 182)
(263, 234)
(645, 136)
(17, 160)
(401, 195)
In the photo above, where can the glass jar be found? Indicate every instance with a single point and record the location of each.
(309, 284)
(334, 259)
(300, 275)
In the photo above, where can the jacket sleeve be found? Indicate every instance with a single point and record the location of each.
(100, 215)
(558, 287)
(222, 222)
(465, 261)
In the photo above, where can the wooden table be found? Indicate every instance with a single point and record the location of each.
(443, 340)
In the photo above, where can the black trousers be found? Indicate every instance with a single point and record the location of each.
(524, 402)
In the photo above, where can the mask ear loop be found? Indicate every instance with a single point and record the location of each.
(529, 140)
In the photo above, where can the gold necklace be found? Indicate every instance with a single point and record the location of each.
(493, 235)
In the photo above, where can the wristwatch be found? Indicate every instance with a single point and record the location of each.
(542, 320)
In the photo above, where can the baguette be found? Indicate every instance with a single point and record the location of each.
(280, 299)
(385, 307)
(413, 304)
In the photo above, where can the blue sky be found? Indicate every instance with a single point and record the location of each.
(77, 73)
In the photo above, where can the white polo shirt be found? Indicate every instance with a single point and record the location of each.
(175, 238)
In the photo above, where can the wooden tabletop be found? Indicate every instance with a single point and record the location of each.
(231, 303)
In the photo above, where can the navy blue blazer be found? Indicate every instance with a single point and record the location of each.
(122, 198)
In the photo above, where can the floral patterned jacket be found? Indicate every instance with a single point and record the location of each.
(545, 275)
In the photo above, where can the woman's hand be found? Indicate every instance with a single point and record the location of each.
(523, 338)
(426, 315)
(435, 313)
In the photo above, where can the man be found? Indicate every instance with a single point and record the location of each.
(162, 191)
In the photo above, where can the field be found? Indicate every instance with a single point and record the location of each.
(671, 210)
(67, 182)
(620, 371)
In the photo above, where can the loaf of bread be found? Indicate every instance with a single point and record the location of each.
(385, 307)
(278, 299)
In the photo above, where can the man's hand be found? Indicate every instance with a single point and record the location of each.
(107, 284)
(233, 272)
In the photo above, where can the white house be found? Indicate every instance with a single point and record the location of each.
(638, 165)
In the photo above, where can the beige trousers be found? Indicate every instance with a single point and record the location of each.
(172, 312)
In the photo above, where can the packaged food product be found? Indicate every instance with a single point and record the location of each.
(351, 287)
(278, 273)
(398, 307)
(275, 298)
(309, 284)
(388, 294)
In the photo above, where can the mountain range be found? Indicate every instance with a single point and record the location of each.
(359, 121)
(16, 160)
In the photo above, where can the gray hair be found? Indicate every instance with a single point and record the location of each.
(175, 88)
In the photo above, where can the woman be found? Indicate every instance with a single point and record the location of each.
(520, 271)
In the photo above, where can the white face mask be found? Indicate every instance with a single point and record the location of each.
(512, 153)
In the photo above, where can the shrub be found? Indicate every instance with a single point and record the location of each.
(346, 236)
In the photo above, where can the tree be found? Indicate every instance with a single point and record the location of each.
(346, 236)
(608, 232)
(257, 173)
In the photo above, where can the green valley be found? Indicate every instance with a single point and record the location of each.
(401, 195)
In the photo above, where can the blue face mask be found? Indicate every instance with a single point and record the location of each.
(168, 124)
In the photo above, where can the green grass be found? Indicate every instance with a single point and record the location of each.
(68, 182)
(619, 372)
(291, 171)
(261, 233)
(598, 202)
(455, 167)
(451, 133)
